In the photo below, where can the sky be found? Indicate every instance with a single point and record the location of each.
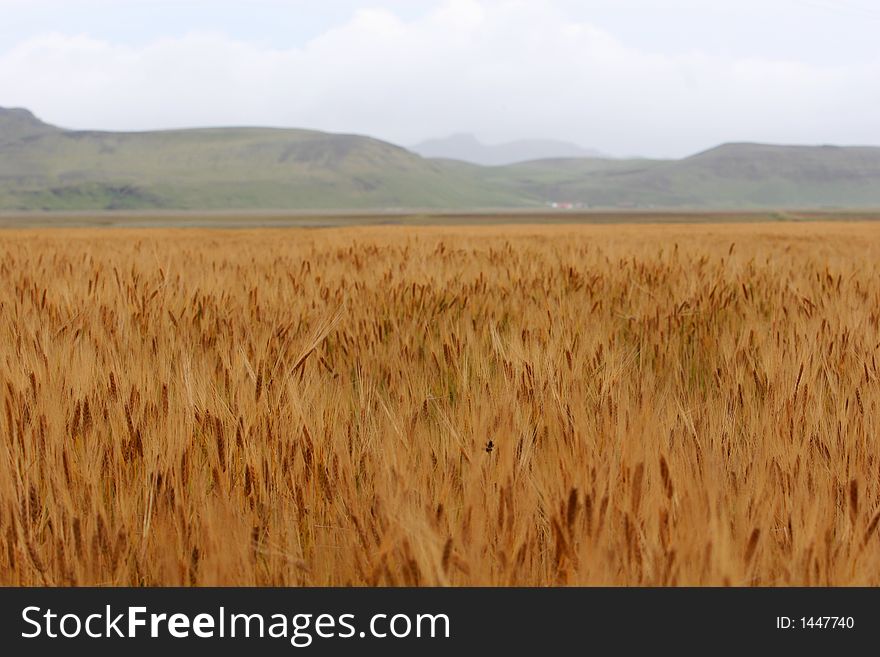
(628, 77)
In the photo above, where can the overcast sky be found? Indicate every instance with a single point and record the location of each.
(641, 77)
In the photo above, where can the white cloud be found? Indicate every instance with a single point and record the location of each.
(500, 69)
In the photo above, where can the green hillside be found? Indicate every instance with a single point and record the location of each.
(43, 168)
(729, 176)
(46, 168)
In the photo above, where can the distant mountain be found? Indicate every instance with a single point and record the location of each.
(47, 168)
(467, 148)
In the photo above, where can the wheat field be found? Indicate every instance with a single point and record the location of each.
(568, 405)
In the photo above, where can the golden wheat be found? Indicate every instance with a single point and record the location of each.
(441, 406)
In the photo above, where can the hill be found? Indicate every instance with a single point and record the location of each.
(46, 168)
(728, 176)
(43, 167)
(20, 124)
(467, 148)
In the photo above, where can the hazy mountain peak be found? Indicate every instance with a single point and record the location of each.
(460, 138)
(466, 147)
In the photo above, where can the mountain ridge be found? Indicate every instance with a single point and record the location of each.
(46, 168)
